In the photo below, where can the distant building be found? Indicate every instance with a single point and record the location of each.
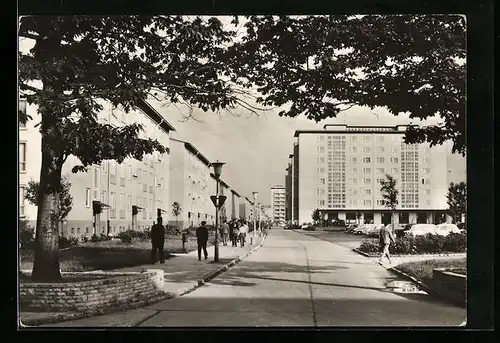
(117, 186)
(278, 203)
(338, 170)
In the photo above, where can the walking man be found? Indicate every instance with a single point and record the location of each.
(243, 234)
(202, 238)
(224, 232)
(185, 234)
(157, 241)
(235, 232)
(386, 237)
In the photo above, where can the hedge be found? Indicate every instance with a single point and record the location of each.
(415, 245)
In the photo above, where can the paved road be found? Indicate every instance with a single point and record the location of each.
(293, 280)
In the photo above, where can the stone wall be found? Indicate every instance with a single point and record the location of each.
(449, 284)
(106, 290)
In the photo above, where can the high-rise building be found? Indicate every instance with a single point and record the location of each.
(278, 203)
(117, 187)
(338, 171)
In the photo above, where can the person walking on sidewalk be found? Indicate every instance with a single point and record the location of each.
(185, 234)
(157, 241)
(243, 234)
(235, 232)
(202, 238)
(386, 237)
(224, 232)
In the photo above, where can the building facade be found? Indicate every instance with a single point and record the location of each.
(191, 185)
(338, 171)
(278, 203)
(117, 186)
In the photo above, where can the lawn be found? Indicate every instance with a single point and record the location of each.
(422, 270)
(108, 255)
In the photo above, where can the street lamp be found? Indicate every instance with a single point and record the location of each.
(217, 173)
(254, 214)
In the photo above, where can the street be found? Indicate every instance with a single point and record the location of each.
(293, 280)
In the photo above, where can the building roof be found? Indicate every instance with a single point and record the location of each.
(191, 148)
(235, 193)
(278, 186)
(155, 115)
(346, 129)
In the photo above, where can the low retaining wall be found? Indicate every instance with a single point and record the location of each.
(450, 284)
(109, 290)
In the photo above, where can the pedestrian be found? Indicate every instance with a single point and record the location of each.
(235, 232)
(157, 241)
(185, 234)
(243, 234)
(202, 239)
(386, 237)
(224, 232)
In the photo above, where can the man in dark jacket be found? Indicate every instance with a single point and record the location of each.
(158, 241)
(386, 237)
(202, 238)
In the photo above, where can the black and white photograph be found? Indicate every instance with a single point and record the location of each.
(242, 170)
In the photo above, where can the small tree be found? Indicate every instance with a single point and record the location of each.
(65, 200)
(456, 200)
(316, 215)
(358, 216)
(389, 195)
(176, 210)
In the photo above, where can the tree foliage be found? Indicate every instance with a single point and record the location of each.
(457, 200)
(316, 215)
(66, 199)
(389, 192)
(176, 209)
(321, 65)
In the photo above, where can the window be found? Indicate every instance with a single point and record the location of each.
(321, 170)
(354, 159)
(367, 138)
(366, 149)
(105, 166)
(321, 138)
(380, 160)
(395, 170)
(22, 109)
(122, 206)
(96, 177)
(353, 138)
(394, 160)
(353, 170)
(353, 202)
(427, 170)
(427, 192)
(353, 181)
(426, 160)
(103, 197)
(112, 172)
(381, 170)
(380, 149)
(320, 191)
(22, 157)
(380, 202)
(368, 191)
(366, 159)
(379, 181)
(129, 169)
(321, 203)
(380, 138)
(321, 159)
(87, 197)
(21, 201)
(322, 181)
(354, 149)
(367, 202)
(367, 181)
(367, 170)
(321, 149)
(426, 181)
(394, 149)
(427, 202)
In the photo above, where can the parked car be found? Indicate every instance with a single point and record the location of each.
(351, 227)
(360, 229)
(400, 229)
(364, 229)
(421, 229)
(446, 228)
(374, 230)
(307, 227)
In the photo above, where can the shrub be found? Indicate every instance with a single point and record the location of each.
(67, 242)
(428, 244)
(172, 230)
(85, 239)
(126, 236)
(101, 238)
(26, 235)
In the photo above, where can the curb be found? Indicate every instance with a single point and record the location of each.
(416, 255)
(363, 253)
(96, 312)
(211, 275)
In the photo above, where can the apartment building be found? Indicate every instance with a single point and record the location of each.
(235, 204)
(117, 187)
(278, 203)
(191, 184)
(338, 170)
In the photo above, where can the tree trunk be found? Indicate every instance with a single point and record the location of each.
(46, 257)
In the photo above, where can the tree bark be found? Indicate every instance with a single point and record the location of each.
(46, 258)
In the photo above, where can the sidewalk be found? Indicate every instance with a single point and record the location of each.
(182, 274)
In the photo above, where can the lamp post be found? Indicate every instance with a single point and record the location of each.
(254, 214)
(217, 172)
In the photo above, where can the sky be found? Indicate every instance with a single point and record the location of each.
(254, 147)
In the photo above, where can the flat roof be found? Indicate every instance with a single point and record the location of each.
(235, 193)
(355, 129)
(155, 115)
